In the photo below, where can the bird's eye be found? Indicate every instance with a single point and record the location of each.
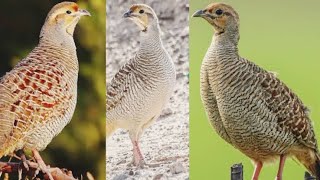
(219, 12)
(68, 12)
(141, 11)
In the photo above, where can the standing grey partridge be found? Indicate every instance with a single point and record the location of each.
(139, 91)
(249, 107)
(38, 96)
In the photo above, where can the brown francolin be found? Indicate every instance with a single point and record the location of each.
(249, 107)
(38, 96)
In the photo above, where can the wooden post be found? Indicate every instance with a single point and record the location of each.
(237, 172)
(307, 176)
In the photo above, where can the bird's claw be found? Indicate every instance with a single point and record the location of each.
(42, 166)
(45, 169)
(139, 164)
(26, 164)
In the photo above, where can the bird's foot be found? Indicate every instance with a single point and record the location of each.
(45, 169)
(139, 163)
(25, 163)
(41, 164)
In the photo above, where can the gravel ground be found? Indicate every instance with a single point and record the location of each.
(166, 142)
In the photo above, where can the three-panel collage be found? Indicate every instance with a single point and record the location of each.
(159, 90)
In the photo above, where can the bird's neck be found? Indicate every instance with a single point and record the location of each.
(227, 38)
(58, 37)
(222, 50)
(222, 42)
(150, 40)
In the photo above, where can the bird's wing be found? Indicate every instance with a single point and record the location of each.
(28, 99)
(285, 105)
(6, 115)
(119, 85)
(210, 103)
(17, 108)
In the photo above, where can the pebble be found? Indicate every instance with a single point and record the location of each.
(121, 177)
(177, 168)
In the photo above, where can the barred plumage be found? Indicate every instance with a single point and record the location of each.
(141, 88)
(38, 96)
(249, 107)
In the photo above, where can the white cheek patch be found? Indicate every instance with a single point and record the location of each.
(140, 23)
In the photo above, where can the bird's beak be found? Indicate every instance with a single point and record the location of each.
(127, 14)
(83, 12)
(199, 13)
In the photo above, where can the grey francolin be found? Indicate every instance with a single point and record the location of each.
(249, 107)
(139, 91)
(38, 96)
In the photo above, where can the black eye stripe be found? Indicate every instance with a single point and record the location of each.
(68, 12)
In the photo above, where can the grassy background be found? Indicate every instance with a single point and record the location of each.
(80, 147)
(281, 36)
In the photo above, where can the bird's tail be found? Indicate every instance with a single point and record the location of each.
(317, 166)
(311, 160)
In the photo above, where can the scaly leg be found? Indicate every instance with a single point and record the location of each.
(41, 163)
(138, 159)
(23, 158)
(257, 170)
(281, 166)
(137, 155)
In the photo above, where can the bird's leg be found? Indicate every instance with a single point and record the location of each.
(281, 165)
(257, 170)
(23, 158)
(137, 155)
(41, 163)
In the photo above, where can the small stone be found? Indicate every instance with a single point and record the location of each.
(177, 168)
(131, 173)
(121, 162)
(160, 177)
(121, 177)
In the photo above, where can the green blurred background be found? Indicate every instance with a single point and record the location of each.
(281, 36)
(81, 145)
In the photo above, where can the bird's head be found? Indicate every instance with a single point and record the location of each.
(221, 16)
(142, 15)
(64, 16)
